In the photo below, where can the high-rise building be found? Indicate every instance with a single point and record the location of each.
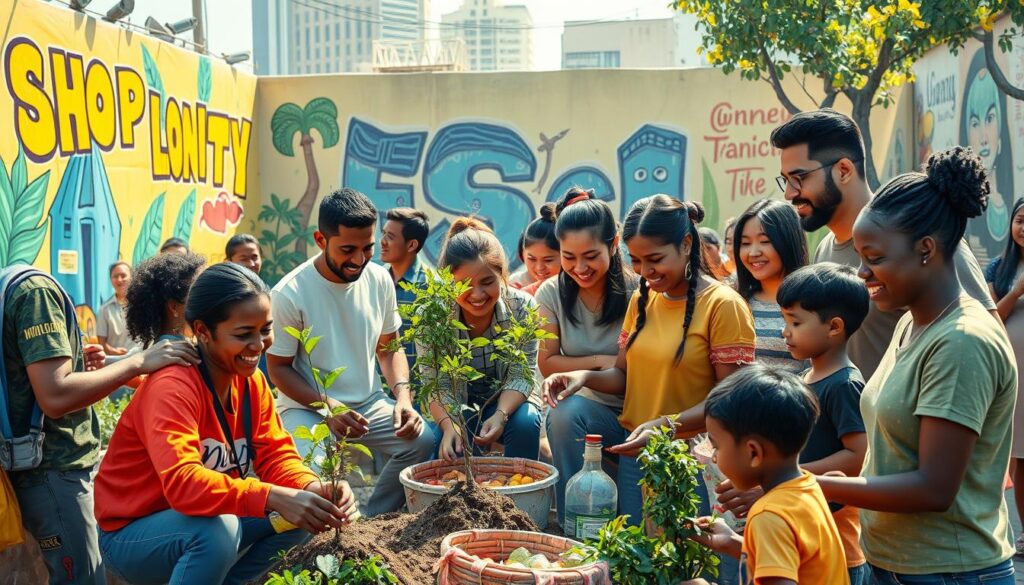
(330, 36)
(498, 37)
(648, 43)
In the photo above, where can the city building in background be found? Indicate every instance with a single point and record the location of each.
(498, 37)
(292, 38)
(647, 43)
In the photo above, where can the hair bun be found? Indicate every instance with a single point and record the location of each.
(695, 211)
(547, 212)
(959, 175)
(462, 224)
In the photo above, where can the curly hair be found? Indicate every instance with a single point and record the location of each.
(162, 278)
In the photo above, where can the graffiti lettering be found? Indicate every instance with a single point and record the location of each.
(86, 106)
(725, 149)
(745, 184)
(724, 116)
(940, 91)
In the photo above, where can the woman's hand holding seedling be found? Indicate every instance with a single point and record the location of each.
(305, 509)
(558, 387)
(346, 498)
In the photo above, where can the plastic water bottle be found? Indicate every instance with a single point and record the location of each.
(591, 497)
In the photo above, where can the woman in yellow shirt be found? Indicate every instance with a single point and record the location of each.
(683, 332)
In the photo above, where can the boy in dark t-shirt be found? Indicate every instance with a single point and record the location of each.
(823, 305)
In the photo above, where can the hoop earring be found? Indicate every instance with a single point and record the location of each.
(688, 272)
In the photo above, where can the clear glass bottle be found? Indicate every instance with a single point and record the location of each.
(591, 497)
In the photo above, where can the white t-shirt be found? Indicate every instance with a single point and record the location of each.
(349, 318)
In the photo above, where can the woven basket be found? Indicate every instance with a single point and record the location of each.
(535, 499)
(459, 567)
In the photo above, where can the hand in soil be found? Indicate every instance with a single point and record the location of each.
(305, 509)
(408, 423)
(348, 424)
(451, 446)
(491, 430)
(346, 499)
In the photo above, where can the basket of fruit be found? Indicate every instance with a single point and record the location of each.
(530, 484)
(504, 557)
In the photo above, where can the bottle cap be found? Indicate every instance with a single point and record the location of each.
(593, 438)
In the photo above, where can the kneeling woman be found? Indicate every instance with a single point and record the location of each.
(199, 457)
(473, 253)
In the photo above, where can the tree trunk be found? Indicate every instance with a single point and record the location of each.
(305, 205)
(862, 116)
(996, 71)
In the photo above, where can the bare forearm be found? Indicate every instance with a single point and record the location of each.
(557, 364)
(395, 368)
(291, 383)
(691, 420)
(905, 493)
(610, 381)
(510, 400)
(1006, 305)
(77, 390)
(843, 460)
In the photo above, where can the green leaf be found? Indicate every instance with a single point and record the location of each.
(328, 565)
(286, 122)
(186, 218)
(153, 79)
(329, 380)
(24, 247)
(19, 172)
(148, 242)
(360, 448)
(317, 377)
(710, 196)
(29, 204)
(302, 433)
(320, 432)
(293, 332)
(480, 342)
(6, 212)
(204, 79)
(321, 114)
(340, 409)
(311, 343)
(458, 325)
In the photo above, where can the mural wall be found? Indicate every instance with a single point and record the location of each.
(114, 142)
(500, 145)
(957, 102)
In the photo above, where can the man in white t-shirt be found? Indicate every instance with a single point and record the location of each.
(350, 304)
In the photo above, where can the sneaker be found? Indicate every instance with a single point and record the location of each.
(1019, 546)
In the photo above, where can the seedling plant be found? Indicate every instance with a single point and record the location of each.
(331, 571)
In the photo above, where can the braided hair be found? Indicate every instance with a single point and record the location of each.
(580, 210)
(937, 202)
(670, 220)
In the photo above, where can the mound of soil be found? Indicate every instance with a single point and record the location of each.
(410, 544)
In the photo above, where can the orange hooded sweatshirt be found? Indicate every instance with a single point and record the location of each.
(169, 451)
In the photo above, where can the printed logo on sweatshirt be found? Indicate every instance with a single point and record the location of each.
(217, 455)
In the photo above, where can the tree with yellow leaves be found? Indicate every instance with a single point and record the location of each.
(861, 49)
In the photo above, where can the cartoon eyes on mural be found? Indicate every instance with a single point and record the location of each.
(660, 174)
(640, 175)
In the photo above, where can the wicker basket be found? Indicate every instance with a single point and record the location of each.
(459, 567)
(535, 498)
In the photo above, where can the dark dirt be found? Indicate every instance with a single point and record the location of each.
(410, 544)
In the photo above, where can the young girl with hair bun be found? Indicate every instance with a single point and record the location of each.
(472, 252)
(540, 249)
(939, 408)
(584, 307)
(683, 332)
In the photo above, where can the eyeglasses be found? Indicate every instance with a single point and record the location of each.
(796, 180)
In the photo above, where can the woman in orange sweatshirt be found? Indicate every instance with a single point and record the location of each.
(199, 458)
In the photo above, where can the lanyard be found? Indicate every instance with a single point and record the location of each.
(223, 419)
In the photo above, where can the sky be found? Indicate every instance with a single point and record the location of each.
(229, 22)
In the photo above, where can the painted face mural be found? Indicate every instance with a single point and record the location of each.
(651, 162)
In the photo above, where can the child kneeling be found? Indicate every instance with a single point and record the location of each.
(758, 421)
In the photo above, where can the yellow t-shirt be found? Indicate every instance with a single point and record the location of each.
(790, 534)
(721, 332)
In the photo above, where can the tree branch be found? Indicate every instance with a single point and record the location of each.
(988, 40)
(803, 86)
(830, 93)
(776, 83)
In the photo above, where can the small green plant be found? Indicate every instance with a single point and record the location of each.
(331, 571)
(108, 411)
(672, 506)
(443, 369)
(337, 461)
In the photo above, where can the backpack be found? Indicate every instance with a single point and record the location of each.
(25, 452)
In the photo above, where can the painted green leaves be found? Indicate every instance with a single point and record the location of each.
(22, 213)
(320, 114)
(153, 79)
(204, 81)
(186, 218)
(148, 242)
(710, 197)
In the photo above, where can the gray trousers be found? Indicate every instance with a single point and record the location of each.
(388, 494)
(57, 510)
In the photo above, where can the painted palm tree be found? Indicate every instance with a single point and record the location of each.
(289, 119)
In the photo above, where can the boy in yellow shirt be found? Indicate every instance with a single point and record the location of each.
(758, 420)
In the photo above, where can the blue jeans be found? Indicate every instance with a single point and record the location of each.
(567, 426)
(169, 547)
(861, 575)
(1001, 574)
(521, 436)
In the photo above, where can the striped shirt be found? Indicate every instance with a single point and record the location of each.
(770, 346)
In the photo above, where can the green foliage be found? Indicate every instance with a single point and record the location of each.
(186, 218)
(148, 242)
(671, 503)
(108, 411)
(204, 81)
(709, 197)
(443, 359)
(336, 462)
(330, 571)
(153, 79)
(279, 259)
(320, 114)
(23, 219)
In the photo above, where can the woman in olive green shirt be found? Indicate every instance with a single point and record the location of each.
(938, 410)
